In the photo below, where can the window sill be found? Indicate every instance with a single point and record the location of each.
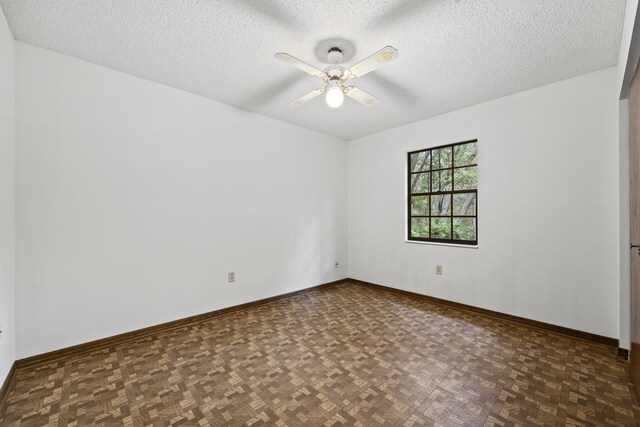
(442, 244)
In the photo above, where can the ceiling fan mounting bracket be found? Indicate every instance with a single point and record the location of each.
(335, 56)
(324, 47)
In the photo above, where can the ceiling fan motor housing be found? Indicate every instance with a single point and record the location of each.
(335, 81)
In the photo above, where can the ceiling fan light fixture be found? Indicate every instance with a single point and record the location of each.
(335, 95)
(335, 76)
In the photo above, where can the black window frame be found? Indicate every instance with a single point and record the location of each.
(451, 216)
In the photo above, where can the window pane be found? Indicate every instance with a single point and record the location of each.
(421, 161)
(420, 205)
(464, 204)
(466, 154)
(466, 178)
(419, 183)
(464, 229)
(441, 228)
(441, 181)
(442, 157)
(441, 204)
(420, 227)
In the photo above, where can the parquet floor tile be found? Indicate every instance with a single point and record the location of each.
(348, 355)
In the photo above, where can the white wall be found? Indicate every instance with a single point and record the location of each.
(548, 206)
(134, 200)
(7, 147)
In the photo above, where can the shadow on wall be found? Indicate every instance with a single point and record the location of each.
(314, 248)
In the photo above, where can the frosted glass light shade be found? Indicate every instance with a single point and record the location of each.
(334, 97)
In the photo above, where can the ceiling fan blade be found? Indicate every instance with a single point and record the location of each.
(361, 96)
(307, 97)
(381, 57)
(285, 57)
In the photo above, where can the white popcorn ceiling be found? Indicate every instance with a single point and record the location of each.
(453, 53)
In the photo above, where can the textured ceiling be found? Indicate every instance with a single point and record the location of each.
(453, 53)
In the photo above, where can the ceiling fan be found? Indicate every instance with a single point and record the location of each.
(336, 77)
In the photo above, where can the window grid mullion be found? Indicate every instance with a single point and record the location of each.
(453, 187)
(444, 169)
(430, 188)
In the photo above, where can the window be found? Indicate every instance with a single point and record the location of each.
(443, 194)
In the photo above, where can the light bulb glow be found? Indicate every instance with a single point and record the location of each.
(334, 97)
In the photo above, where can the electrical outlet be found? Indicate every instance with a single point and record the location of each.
(232, 276)
(337, 264)
(439, 270)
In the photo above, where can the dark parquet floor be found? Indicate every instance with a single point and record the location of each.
(348, 355)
